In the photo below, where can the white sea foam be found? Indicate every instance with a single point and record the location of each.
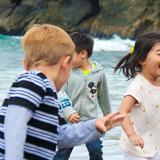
(113, 44)
(17, 37)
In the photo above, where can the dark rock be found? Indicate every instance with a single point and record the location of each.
(101, 18)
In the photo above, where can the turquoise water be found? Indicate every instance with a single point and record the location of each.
(106, 52)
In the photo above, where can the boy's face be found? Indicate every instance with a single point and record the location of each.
(78, 58)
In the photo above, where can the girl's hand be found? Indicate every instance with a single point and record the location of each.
(136, 140)
(74, 117)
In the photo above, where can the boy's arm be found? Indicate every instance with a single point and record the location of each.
(103, 95)
(78, 133)
(15, 128)
(83, 132)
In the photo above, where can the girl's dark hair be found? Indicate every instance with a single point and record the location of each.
(83, 42)
(130, 64)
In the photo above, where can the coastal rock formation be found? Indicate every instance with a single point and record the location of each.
(127, 18)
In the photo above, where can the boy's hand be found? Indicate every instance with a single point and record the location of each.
(136, 140)
(74, 118)
(109, 121)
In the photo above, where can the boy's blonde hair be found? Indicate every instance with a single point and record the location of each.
(46, 44)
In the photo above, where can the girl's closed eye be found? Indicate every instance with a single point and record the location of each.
(157, 51)
(158, 54)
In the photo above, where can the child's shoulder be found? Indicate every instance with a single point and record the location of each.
(136, 83)
(32, 77)
(138, 79)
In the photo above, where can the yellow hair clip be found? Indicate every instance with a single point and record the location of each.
(131, 50)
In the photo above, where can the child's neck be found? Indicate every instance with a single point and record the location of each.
(86, 65)
(50, 71)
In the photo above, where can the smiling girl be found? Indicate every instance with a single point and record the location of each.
(141, 102)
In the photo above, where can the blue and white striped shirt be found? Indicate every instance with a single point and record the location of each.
(35, 92)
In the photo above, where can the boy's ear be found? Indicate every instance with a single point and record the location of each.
(67, 60)
(84, 53)
(25, 64)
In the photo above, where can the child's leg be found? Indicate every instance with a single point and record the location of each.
(95, 150)
(63, 154)
(128, 156)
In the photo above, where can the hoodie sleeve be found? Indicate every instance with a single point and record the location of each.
(66, 108)
(103, 95)
(65, 88)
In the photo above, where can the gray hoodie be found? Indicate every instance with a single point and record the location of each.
(88, 93)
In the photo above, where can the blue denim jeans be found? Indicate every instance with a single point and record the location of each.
(94, 148)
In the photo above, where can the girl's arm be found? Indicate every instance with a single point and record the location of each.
(126, 106)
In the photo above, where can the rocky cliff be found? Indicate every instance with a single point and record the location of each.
(127, 18)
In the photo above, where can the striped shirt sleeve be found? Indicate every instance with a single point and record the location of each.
(15, 131)
(27, 92)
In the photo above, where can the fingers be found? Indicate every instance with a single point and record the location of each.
(74, 118)
(109, 121)
(111, 115)
(114, 119)
(137, 140)
(117, 119)
(140, 143)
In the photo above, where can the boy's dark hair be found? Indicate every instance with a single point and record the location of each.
(130, 64)
(83, 42)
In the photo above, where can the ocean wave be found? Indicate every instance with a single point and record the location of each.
(114, 44)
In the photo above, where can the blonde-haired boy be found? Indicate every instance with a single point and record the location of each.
(47, 44)
(49, 47)
(29, 119)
